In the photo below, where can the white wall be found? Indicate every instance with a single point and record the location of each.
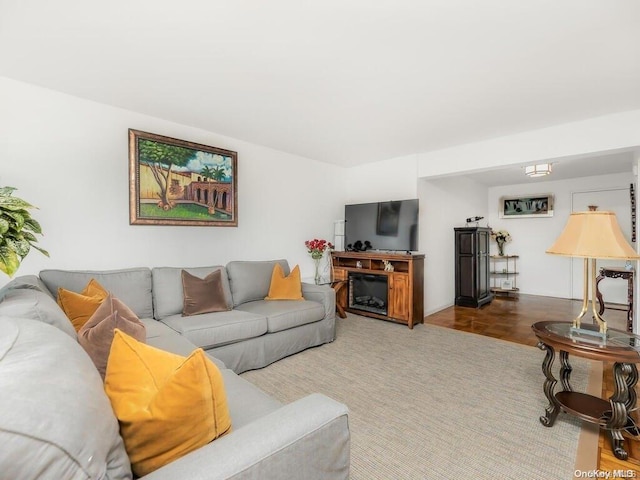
(445, 204)
(69, 157)
(608, 133)
(540, 273)
(393, 179)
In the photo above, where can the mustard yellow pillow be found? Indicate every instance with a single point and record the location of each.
(285, 288)
(167, 405)
(79, 307)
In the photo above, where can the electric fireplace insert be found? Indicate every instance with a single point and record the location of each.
(368, 292)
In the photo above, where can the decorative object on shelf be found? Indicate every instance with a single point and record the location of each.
(17, 231)
(175, 182)
(316, 249)
(529, 206)
(539, 170)
(507, 285)
(358, 264)
(475, 220)
(592, 235)
(501, 237)
(358, 246)
(388, 266)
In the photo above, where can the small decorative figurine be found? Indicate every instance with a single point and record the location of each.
(388, 266)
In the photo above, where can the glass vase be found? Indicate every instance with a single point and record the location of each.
(500, 248)
(317, 272)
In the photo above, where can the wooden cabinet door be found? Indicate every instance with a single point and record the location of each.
(483, 264)
(399, 296)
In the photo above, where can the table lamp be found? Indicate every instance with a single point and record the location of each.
(592, 235)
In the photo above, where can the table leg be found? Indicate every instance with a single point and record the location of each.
(565, 371)
(551, 412)
(338, 286)
(625, 376)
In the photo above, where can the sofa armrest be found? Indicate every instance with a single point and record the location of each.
(323, 294)
(307, 439)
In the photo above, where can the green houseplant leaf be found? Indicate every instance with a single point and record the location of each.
(17, 231)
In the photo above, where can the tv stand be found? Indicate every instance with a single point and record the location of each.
(405, 284)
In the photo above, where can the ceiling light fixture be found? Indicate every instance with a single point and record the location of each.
(538, 170)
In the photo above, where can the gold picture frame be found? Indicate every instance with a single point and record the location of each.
(176, 182)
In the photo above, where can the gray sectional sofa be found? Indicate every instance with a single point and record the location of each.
(56, 421)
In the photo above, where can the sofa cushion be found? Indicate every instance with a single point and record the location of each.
(36, 305)
(203, 295)
(55, 420)
(166, 338)
(168, 290)
(247, 402)
(250, 280)
(80, 306)
(283, 314)
(213, 329)
(167, 405)
(25, 282)
(283, 287)
(96, 335)
(132, 285)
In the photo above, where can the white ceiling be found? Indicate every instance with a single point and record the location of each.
(586, 166)
(340, 81)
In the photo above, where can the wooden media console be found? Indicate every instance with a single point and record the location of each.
(372, 291)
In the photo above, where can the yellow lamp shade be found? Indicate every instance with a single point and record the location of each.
(593, 234)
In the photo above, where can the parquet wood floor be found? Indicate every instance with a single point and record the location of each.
(510, 318)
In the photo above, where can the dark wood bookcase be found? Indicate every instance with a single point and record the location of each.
(472, 266)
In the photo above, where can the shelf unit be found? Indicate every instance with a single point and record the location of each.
(504, 268)
(405, 284)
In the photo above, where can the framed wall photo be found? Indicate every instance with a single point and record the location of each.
(175, 182)
(526, 206)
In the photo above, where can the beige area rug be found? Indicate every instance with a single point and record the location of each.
(435, 403)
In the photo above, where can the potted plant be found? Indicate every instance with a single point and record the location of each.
(17, 231)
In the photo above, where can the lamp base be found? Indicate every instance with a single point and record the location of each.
(592, 335)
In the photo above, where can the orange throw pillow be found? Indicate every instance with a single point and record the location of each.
(285, 288)
(167, 405)
(79, 307)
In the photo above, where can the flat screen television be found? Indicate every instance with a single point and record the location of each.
(389, 226)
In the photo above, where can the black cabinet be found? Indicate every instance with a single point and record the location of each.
(472, 266)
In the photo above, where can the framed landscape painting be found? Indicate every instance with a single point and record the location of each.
(526, 206)
(175, 182)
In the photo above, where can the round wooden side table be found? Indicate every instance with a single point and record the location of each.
(620, 348)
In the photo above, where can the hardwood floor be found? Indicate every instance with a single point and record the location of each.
(510, 318)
